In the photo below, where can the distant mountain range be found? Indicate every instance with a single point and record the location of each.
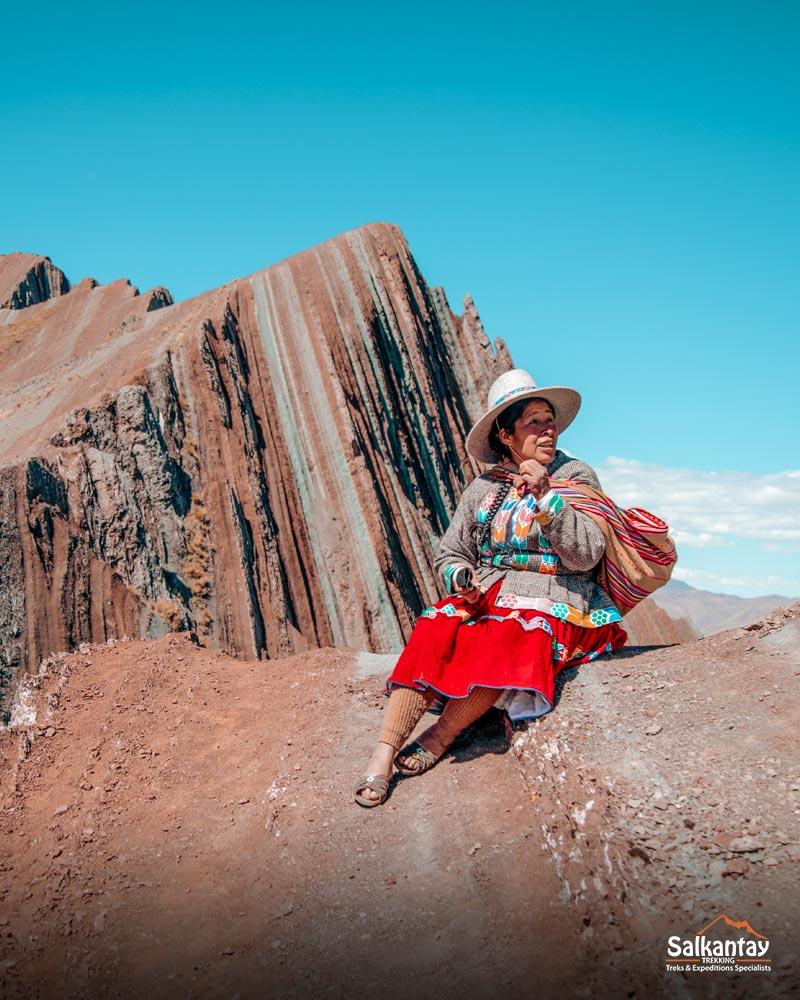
(708, 612)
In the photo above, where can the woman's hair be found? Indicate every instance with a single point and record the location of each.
(507, 420)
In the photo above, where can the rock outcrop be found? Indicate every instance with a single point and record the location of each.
(269, 464)
(648, 624)
(26, 279)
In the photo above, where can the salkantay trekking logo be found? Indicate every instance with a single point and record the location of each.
(720, 951)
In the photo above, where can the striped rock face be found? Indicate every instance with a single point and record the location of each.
(269, 464)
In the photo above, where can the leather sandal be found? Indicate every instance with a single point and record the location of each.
(425, 758)
(375, 783)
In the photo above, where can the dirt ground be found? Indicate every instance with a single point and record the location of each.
(177, 823)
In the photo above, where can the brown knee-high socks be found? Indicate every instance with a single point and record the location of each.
(458, 714)
(407, 706)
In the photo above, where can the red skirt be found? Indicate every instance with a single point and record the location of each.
(456, 646)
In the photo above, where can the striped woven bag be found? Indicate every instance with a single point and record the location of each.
(639, 556)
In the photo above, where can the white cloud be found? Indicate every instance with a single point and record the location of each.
(694, 575)
(695, 540)
(711, 509)
(762, 584)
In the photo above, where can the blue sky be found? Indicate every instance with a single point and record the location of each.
(616, 184)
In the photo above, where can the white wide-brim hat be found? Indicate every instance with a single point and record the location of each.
(513, 387)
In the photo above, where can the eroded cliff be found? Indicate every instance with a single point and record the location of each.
(26, 279)
(269, 463)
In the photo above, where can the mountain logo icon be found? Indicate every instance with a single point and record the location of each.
(739, 925)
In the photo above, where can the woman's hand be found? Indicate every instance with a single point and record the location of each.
(466, 585)
(534, 476)
(472, 596)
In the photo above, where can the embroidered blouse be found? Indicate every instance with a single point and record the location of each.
(545, 551)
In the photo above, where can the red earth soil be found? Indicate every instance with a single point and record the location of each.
(178, 823)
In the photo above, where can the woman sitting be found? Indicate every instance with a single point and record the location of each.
(519, 563)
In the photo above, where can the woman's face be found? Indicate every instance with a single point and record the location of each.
(535, 434)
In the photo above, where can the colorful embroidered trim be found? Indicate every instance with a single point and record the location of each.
(514, 616)
(508, 560)
(548, 507)
(448, 610)
(592, 619)
(449, 573)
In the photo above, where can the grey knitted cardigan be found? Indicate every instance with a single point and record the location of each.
(570, 535)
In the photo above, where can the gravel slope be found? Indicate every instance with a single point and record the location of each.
(177, 823)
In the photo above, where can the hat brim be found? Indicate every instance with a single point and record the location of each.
(565, 402)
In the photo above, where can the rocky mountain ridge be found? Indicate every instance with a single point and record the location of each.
(26, 279)
(268, 463)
